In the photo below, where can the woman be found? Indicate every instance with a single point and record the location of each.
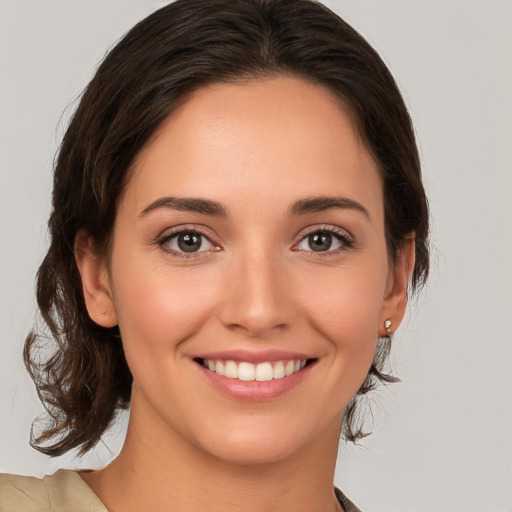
(237, 215)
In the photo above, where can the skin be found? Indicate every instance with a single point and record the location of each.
(257, 148)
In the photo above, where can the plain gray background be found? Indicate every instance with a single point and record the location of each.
(442, 438)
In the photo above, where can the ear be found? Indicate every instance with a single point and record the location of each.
(95, 281)
(395, 300)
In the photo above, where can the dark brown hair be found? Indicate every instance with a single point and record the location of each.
(179, 48)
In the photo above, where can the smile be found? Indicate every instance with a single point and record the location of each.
(245, 371)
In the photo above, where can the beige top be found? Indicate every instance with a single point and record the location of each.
(65, 491)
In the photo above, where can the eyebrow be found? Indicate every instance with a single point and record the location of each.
(187, 204)
(322, 203)
(209, 207)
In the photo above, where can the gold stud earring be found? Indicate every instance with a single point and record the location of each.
(387, 325)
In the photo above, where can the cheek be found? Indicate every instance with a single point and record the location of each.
(344, 307)
(158, 309)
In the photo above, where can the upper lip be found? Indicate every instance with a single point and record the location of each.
(255, 357)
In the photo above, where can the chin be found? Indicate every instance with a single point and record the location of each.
(252, 452)
(267, 442)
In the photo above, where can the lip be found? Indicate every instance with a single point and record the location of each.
(254, 357)
(257, 391)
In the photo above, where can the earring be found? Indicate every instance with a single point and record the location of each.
(387, 325)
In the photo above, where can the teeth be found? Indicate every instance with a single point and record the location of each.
(231, 370)
(279, 370)
(246, 371)
(219, 367)
(264, 371)
(255, 372)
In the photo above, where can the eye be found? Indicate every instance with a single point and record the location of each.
(325, 240)
(186, 242)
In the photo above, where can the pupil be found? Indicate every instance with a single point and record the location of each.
(189, 242)
(320, 241)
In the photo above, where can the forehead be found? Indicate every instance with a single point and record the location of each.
(280, 137)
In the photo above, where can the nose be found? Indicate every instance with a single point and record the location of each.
(257, 300)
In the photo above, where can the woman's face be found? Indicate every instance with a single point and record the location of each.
(250, 241)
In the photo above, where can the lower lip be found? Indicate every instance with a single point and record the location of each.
(255, 390)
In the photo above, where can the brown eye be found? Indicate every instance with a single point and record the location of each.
(325, 241)
(189, 242)
(185, 242)
(320, 241)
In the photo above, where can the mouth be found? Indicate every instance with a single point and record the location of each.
(261, 372)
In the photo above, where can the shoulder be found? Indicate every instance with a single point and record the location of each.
(23, 493)
(60, 492)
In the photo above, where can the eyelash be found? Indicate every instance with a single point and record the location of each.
(162, 241)
(342, 236)
(346, 240)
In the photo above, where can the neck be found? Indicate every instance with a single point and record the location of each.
(171, 473)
